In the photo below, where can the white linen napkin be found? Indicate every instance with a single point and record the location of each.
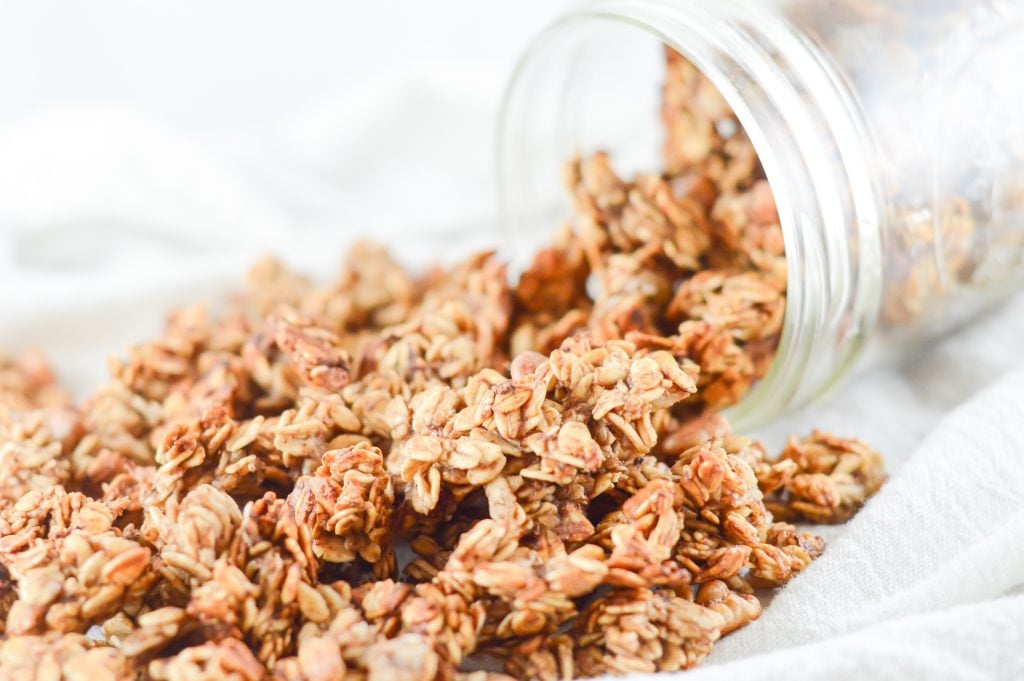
(918, 584)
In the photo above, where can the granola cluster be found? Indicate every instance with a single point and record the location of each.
(399, 477)
(690, 260)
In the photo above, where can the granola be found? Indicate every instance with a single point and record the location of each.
(402, 477)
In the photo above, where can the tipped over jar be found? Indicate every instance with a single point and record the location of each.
(890, 132)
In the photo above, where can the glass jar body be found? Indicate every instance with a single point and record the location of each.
(891, 134)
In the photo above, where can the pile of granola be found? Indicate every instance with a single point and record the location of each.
(411, 478)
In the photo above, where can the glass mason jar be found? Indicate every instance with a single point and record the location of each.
(891, 133)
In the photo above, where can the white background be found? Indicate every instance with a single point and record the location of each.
(149, 151)
(241, 67)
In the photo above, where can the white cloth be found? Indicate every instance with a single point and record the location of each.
(109, 217)
(919, 583)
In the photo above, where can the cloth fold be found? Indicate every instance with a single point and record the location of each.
(980, 641)
(931, 554)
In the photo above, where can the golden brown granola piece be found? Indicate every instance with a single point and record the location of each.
(784, 553)
(556, 280)
(32, 455)
(61, 657)
(347, 505)
(459, 328)
(201, 451)
(38, 427)
(736, 609)
(27, 382)
(640, 239)
(298, 437)
(747, 232)
(264, 582)
(726, 370)
(371, 292)
(341, 645)
(408, 657)
(72, 566)
(229, 659)
(626, 631)
(728, 527)
(748, 305)
(114, 477)
(446, 623)
(527, 590)
(152, 368)
(269, 284)
(690, 109)
(694, 431)
(149, 633)
(833, 478)
(703, 136)
(315, 353)
(643, 536)
(117, 420)
(191, 534)
(551, 301)
(433, 454)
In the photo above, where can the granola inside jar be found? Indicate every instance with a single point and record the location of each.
(890, 134)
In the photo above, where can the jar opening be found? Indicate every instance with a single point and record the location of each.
(828, 217)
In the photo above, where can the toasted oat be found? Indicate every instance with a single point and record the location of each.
(832, 478)
(53, 655)
(233, 503)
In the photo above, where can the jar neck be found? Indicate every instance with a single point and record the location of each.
(811, 142)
